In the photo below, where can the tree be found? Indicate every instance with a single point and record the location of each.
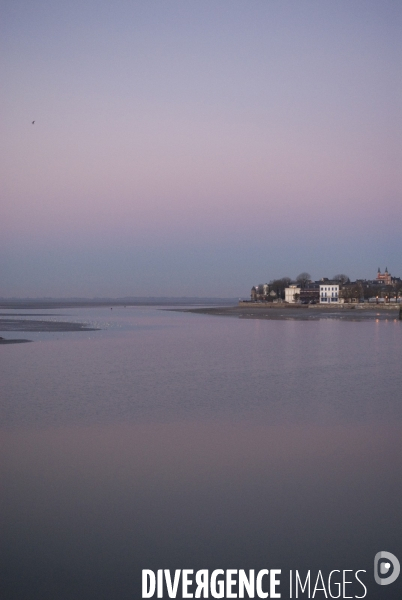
(279, 285)
(303, 279)
(351, 292)
(341, 278)
(389, 292)
(398, 289)
(370, 291)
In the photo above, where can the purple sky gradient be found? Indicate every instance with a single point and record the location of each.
(197, 148)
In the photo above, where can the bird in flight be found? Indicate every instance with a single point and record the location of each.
(33, 122)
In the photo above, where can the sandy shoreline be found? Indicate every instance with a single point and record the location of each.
(305, 313)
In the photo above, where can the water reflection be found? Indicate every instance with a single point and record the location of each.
(84, 509)
(186, 441)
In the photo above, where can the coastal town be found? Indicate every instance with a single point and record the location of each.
(385, 289)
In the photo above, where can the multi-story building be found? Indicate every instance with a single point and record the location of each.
(310, 293)
(329, 292)
(291, 292)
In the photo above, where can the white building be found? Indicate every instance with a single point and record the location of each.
(329, 293)
(290, 293)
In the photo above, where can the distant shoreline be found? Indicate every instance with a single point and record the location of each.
(51, 303)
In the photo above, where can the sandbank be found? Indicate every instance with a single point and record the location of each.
(42, 326)
(3, 341)
(38, 326)
(301, 312)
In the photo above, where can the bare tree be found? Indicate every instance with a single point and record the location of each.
(389, 292)
(398, 289)
(342, 278)
(303, 279)
(351, 292)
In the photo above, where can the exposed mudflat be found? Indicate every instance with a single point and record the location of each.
(41, 326)
(308, 313)
(3, 341)
(35, 325)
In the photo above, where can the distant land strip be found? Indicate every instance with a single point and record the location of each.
(51, 303)
(300, 312)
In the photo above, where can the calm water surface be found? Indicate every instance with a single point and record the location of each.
(175, 440)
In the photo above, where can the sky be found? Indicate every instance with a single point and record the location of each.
(197, 147)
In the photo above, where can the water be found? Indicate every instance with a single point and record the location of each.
(175, 440)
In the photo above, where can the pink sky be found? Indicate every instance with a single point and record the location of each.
(198, 146)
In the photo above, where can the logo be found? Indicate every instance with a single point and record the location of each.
(387, 564)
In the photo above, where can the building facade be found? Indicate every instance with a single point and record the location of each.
(310, 294)
(384, 278)
(329, 293)
(291, 292)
